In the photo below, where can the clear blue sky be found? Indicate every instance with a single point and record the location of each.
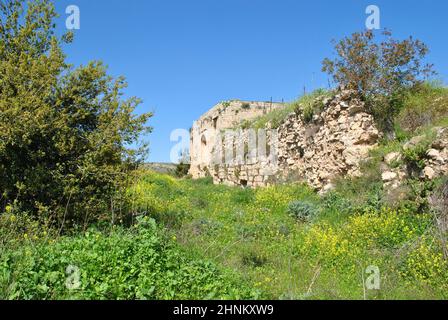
(182, 57)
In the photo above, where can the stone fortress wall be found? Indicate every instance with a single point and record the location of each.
(223, 116)
(334, 143)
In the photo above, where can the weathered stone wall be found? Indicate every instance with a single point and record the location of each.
(332, 144)
(223, 116)
(252, 168)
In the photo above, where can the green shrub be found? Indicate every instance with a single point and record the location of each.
(416, 156)
(246, 124)
(380, 70)
(182, 170)
(245, 105)
(303, 211)
(335, 202)
(417, 201)
(415, 152)
(226, 104)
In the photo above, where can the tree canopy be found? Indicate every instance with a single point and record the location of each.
(65, 133)
(382, 70)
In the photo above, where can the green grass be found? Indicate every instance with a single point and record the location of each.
(253, 233)
(196, 240)
(427, 106)
(307, 106)
(275, 118)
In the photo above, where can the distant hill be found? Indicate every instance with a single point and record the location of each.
(168, 168)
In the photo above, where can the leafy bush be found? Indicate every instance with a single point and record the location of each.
(415, 157)
(245, 105)
(418, 193)
(122, 264)
(64, 133)
(303, 211)
(414, 152)
(335, 202)
(182, 169)
(381, 71)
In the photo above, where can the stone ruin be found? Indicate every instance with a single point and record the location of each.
(332, 144)
(395, 171)
(224, 116)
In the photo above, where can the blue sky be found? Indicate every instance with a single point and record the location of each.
(182, 57)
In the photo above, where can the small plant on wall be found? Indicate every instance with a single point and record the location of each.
(245, 105)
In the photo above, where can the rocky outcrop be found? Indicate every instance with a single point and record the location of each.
(437, 156)
(395, 170)
(333, 144)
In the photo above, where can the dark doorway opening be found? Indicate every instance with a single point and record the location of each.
(215, 123)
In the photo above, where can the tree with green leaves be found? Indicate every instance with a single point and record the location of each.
(381, 70)
(65, 133)
(183, 167)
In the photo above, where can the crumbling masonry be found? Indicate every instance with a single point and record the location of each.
(333, 144)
